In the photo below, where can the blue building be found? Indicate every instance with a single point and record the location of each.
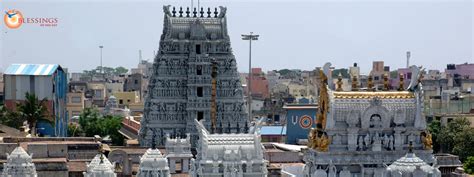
(46, 81)
(300, 118)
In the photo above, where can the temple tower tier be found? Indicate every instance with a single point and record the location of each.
(194, 77)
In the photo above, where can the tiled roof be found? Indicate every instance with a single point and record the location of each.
(31, 69)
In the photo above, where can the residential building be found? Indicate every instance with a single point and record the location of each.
(465, 70)
(127, 98)
(113, 87)
(259, 85)
(97, 89)
(46, 81)
(75, 104)
(135, 82)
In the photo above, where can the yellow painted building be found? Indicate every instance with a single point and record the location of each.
(127, 98)
(75, 104)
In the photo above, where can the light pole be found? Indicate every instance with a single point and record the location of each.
(250, 37)
(101, 69)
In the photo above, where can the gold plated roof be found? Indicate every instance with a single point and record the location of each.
(369, 95)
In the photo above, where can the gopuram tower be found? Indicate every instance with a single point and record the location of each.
(194, 77)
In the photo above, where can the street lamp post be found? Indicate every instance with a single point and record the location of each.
(250, 37)
(101, 69)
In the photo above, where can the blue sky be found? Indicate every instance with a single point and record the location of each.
(300, 34)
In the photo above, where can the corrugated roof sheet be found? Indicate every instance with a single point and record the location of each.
(31, 69)
(273, 130)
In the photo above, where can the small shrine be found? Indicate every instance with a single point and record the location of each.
(229, 155)
(19, 164)
(359, 131)
(153, 163)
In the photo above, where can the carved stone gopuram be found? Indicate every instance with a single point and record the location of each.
(194, 77)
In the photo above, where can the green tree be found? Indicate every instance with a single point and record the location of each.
(434, 128)
(33, 110)
(112, 125)
(74, 130)
(469, 165)
(120, 70)
(457, 137)
(88, 121)
(464, 143)
(10, 118)
(92, 123)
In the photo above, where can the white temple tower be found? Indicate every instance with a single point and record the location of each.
(19, 164)
(153, 164)
(233, 155)
(100, 166)
(412, 166)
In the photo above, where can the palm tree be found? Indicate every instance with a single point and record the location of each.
(33, 110)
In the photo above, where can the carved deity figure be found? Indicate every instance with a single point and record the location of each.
(427, 140)
(367, 140)
(360, 143)
(385, 141)
(390, 142)
(323, 143)
(375, 121)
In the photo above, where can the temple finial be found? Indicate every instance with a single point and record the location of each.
(209, 12)
(101, 158)
(215, 12)
(339, 83)
(194, 12)
(180, 11)
(174, 11)
(410, 147)
(187, 12)
(401, 83)
(202, 12)
(354, 83)
(386, 84)
(370, 83)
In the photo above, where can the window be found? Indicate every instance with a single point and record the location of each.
(200, 115)
(199, 92)
(98, 93)
(376, 78)
(128, 101)
(120, 101)
(408, 75)
(136, 81)
(198, 49)
(75, 99)
(199, 70)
